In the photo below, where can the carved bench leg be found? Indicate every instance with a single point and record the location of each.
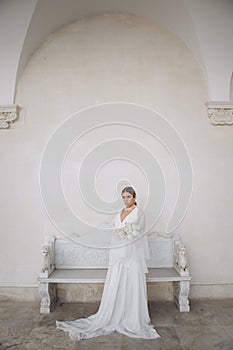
(181, 293)
(48, 294)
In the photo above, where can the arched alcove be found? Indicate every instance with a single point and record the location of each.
(154, 59)
(175, 17)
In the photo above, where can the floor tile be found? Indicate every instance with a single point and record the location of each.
(13, 338)
(208, 326)
(198, 337)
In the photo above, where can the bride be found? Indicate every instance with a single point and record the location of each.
(123, 306)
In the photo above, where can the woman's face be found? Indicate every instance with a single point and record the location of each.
(127, 198)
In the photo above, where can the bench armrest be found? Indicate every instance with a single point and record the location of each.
(180, 261)
(48, 257)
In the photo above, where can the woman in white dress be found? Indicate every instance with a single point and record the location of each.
(123, 306)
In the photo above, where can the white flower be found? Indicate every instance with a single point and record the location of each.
(135, 233)
(121, 234)
(129, 230)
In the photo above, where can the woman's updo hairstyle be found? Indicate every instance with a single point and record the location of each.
(129, 190)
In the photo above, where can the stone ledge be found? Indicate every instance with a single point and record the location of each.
(85, 292)
(92, 292)
(20, 293)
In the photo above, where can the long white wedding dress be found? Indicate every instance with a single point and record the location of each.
(124, 306)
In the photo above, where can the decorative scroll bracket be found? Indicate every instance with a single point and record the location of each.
(8, 114)
(220, 113)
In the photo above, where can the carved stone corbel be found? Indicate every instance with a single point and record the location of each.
(220, 113)
(8, 114)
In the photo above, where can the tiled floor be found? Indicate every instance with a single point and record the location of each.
(209, 326)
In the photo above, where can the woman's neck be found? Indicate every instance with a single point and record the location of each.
(130, 206)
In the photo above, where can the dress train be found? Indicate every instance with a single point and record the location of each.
(123, 306)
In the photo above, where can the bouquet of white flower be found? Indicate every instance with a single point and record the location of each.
(129, 230)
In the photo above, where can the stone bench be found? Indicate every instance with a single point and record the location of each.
(68, 262)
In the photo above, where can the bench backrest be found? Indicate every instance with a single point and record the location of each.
(71, 255)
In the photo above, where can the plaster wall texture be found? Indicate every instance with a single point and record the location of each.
(116, 58)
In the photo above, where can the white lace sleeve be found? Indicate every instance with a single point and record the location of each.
(142, 244)
(141, 219)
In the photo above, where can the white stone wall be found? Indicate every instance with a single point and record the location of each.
(108, 58)
(15, 17)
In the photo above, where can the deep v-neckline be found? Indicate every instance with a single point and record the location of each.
(126, 215)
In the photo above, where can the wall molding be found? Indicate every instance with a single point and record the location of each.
(8, 115)
(220, 113)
